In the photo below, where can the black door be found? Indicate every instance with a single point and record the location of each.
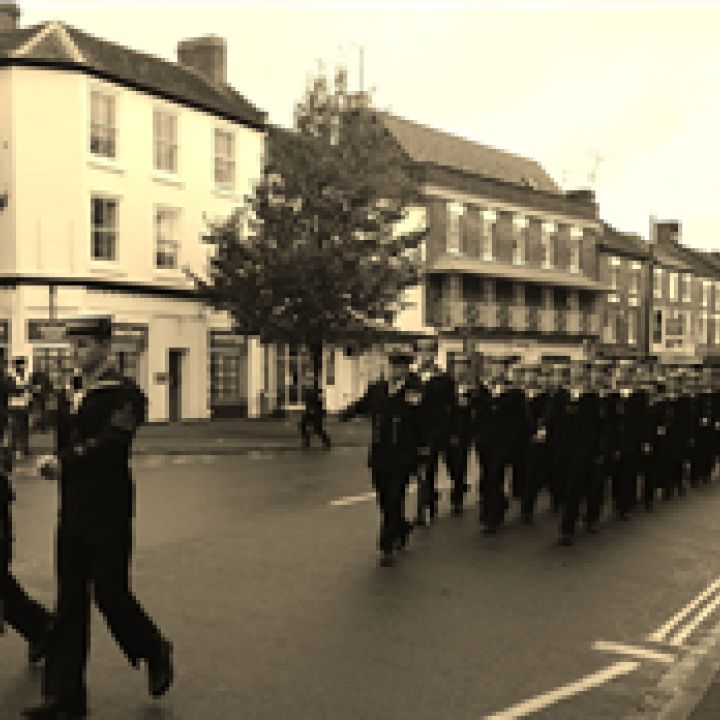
(175, 385)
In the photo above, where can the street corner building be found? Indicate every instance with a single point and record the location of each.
(111, 163)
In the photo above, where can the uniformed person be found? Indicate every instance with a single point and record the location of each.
(460, 435)
(26, 616)
(313, 415)
(393, 407)
(95, 428)
(438, 398)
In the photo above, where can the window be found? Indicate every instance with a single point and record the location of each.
(703, 329)
(575, 240)
(657, 283)
(609, 329)
(634, 287)
(103, 133)
(717, 330)
(452, 237)
(224, 158)
(687, 288)
(547, 240)
(614, 272)
(706, 293)
(104, 224)
(165, 141)
(488, 234)
(657, 333)
(632, 328)
(166, 238)
(519, 240)
(674, 287)
(717, 297)
(225, 379)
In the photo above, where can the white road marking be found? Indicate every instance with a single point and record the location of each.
(682, 635)
(633, 650)
(661, 633)
(540, 702)
(352, 499)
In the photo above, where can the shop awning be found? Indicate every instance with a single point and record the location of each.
(518, 273)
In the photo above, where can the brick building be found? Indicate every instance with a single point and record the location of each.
(510, 260)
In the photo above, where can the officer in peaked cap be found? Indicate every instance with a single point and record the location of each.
(461, 433)
(96, 424)
(393, 407)
(438, 391)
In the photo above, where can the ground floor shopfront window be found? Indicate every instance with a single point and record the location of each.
(228, 375)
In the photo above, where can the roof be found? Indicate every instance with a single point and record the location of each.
(624, 243)
(666, 257)
(702, 263)
(57, 44)
(523, 273)
(428, 145)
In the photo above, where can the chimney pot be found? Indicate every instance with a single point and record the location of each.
(9, 16)
(207, 55)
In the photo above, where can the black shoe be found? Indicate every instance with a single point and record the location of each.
(405, 535)
(387, 560)
(527, 519)
(160, 670)
(566, 540)
(457, 510)
(420, 521)
(54, 711)
(592, 527)
(37, 649)
(648, 507)
(491, 528)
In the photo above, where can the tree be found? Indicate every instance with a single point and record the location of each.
(316, 256)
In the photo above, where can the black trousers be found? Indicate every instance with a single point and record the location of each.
(97, 560)
(536, 474)
(390, 488)
(579, 470)
(495, 503)
(316, 423)
(456, 458)
(20, 430)
(427, 481)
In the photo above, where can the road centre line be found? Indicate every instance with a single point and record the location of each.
(661, 633)
(633, 650)
(682, 635)
(588, 682)
(352, 499)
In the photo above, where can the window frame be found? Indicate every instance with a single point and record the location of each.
(105, 198)
(221, 159)
(453, 229)
(109, 129)
(175, 212)
(658, 278)
(171, 143)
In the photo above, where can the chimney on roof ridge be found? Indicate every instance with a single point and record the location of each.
(667, 232)
(207, 55)
(9, 16)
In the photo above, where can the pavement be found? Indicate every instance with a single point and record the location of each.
(231, 436)
(262, 569)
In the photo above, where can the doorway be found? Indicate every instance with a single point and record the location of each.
(175, 358)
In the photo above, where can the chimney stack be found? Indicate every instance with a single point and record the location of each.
(667, 232)
(9, 16)
(207, 55)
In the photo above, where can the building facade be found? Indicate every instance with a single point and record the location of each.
(111, 164)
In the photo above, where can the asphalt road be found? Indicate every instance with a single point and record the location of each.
(277, 608)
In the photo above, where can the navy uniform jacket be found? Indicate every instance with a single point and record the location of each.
(93, 442)
(394, 418)
(480, 412)
(437, 408)
(578, 425)
(461, 420)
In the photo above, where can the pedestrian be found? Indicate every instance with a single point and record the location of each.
(19, 405)
(393, 408)
(313, 415)
(25, 615)
(95, 428)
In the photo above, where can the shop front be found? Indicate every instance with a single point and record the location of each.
(228, 374)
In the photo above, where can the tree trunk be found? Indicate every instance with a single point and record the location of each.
(316, 351)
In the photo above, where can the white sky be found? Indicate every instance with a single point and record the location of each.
(637, 83)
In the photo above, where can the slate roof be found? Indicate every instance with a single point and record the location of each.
(624, 243)
(428, 145)
(65, 46)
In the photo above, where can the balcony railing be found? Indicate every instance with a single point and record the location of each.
(517, 318)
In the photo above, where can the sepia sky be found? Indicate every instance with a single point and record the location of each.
(630, 89)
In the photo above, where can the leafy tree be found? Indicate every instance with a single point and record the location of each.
(316, 256)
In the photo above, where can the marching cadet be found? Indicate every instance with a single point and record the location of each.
(460, 434)
(26, 616)
(313, 415)
(481, 424)
(647, 437)
(393, 407)
(537, 460)
(438, 397)
(559, 399)
(715, 418)
(95, 429)
(578, 434)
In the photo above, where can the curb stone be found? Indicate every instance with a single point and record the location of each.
(682, 688)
